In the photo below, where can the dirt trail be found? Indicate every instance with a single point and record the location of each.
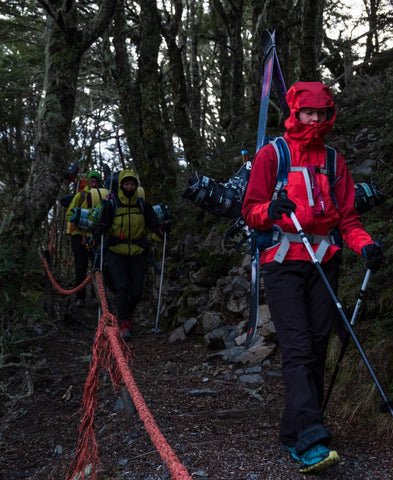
(219, 427)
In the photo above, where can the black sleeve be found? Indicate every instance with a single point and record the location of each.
(151, 219)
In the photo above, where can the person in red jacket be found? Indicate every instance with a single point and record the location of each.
(301, 307)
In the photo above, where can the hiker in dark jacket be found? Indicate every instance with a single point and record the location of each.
(127, 221)
(79, 237)
(301, 307)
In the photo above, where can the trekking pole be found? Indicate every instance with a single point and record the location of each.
(156, 329)
(346, 339)
(387, 404)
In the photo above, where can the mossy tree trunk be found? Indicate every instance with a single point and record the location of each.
(276, 17)
(158, 170)
(139, 91)
(311, 35)
(126, 85)
(231, 14)
(183, 127)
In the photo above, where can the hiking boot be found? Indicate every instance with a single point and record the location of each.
(291, 450)
(317, 458)
(314, 459)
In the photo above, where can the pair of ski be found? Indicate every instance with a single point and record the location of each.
(272, 72)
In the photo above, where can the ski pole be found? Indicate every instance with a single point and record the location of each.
(346, 339)
(156, 329)
(387, 404)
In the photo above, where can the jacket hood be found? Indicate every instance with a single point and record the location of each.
(309, 95)
(128, 174)
(123, 175)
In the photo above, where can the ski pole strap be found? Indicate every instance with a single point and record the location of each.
(286, 238)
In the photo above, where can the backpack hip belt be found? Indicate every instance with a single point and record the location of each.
(285, 239)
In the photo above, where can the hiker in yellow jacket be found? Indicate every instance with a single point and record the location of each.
(79, 237)
(127, 220)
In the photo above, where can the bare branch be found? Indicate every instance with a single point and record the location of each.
(99, 23)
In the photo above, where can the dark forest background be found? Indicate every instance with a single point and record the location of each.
(180, 81)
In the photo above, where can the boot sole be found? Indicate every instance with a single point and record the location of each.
(331, 460)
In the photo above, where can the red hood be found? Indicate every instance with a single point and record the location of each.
(313, 95)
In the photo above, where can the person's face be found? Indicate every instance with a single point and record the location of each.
(129, 185)
(94, 182)
(313, 115)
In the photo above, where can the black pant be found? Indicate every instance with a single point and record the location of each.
(303, 313)
(127, 277)
(81, 256)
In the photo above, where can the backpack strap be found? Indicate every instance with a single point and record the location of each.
(283, 164)
(141, 205)
(82, 197)
(331, 168)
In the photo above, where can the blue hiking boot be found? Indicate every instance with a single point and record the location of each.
(314, 459)
(291, 450)
(317, 458)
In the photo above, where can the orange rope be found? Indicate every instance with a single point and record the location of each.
(177, 470)
(114, 356)
(57, 286)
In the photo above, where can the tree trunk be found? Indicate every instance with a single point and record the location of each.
(231, 14)
(127, 88)
(190, 137)
(158, 169)
(311, 39)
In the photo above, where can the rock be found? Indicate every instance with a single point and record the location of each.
(203, 277)
(215, 339)
(251, 378)
(210, 321)
(177, 335)
(119, 405)
(189, 325)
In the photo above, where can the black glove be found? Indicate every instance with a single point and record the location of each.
(166, 227)
(280, 206)
(163, 229)
(373, 255)
(100, 230)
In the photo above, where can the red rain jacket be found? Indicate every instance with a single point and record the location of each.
(306, 144)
